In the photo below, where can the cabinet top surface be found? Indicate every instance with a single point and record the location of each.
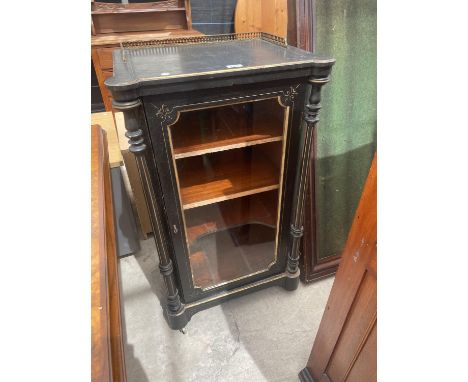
(164, 61)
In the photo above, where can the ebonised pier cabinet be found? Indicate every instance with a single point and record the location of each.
(221, 127)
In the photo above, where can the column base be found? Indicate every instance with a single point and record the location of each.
(178, 320)
(291, 281)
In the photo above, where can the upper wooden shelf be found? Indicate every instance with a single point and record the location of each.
(189, 141)
(240, 256)
(139, 17)
(203, 182)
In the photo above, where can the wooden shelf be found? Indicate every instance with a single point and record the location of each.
(205, 180)
(132, 11)
(189, 139)
(117, 38)
(100, 8)
(138, 17)
(260, 208)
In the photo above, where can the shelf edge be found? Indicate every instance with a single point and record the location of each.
(226, 147)
(229, 197)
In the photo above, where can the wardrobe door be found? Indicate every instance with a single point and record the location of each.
(345, 139)
(346, 343)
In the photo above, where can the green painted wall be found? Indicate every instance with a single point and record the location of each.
(346, 136)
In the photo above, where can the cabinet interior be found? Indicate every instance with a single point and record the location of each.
(229, 164)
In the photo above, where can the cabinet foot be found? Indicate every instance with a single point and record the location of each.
(178, 320)
(291, 281)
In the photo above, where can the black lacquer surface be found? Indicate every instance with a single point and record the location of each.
(212, 59)
(159, 82)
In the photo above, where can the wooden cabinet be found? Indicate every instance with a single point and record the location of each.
(346, 139)
(114, 24)
(221, 127)
(107, 354)
(345, 348)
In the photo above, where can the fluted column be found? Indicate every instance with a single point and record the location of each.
(311, 112)
(134, 120)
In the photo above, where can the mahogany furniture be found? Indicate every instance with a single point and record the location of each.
(346, 139)
(113, 24)
(302, 33)
(301, 24)
(221, 127)
(138, 196)
(106, 122)
(126, 229)
(345, 348)
(107, 355)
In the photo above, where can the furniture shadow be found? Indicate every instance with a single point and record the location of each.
(147, 259)
(133, 368)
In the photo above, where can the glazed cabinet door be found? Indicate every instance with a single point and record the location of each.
(224, 168)
(228, 165)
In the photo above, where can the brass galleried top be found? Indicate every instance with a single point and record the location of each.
(203, 40)
(166, 61)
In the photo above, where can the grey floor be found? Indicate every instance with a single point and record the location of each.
(265, 336)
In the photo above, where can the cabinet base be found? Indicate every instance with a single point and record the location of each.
(179, 320)
(291, 282)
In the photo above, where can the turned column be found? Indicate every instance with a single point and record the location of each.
(312, 108)
(134, 121)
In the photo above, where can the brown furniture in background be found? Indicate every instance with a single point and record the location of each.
(301, 33)
(345, 348)
(126, 221)
(107, 355)
(312, 267)
(301, 24)
(138, 195)
(106, 122)
(290, 19)
(346, 139)
(268, 16)
(114, 24)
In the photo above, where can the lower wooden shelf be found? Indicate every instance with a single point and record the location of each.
(259, 208)
(232, 239)
(227, 255)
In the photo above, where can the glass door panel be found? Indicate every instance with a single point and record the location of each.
(229, 164)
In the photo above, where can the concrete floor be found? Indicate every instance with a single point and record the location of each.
(265, 336)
